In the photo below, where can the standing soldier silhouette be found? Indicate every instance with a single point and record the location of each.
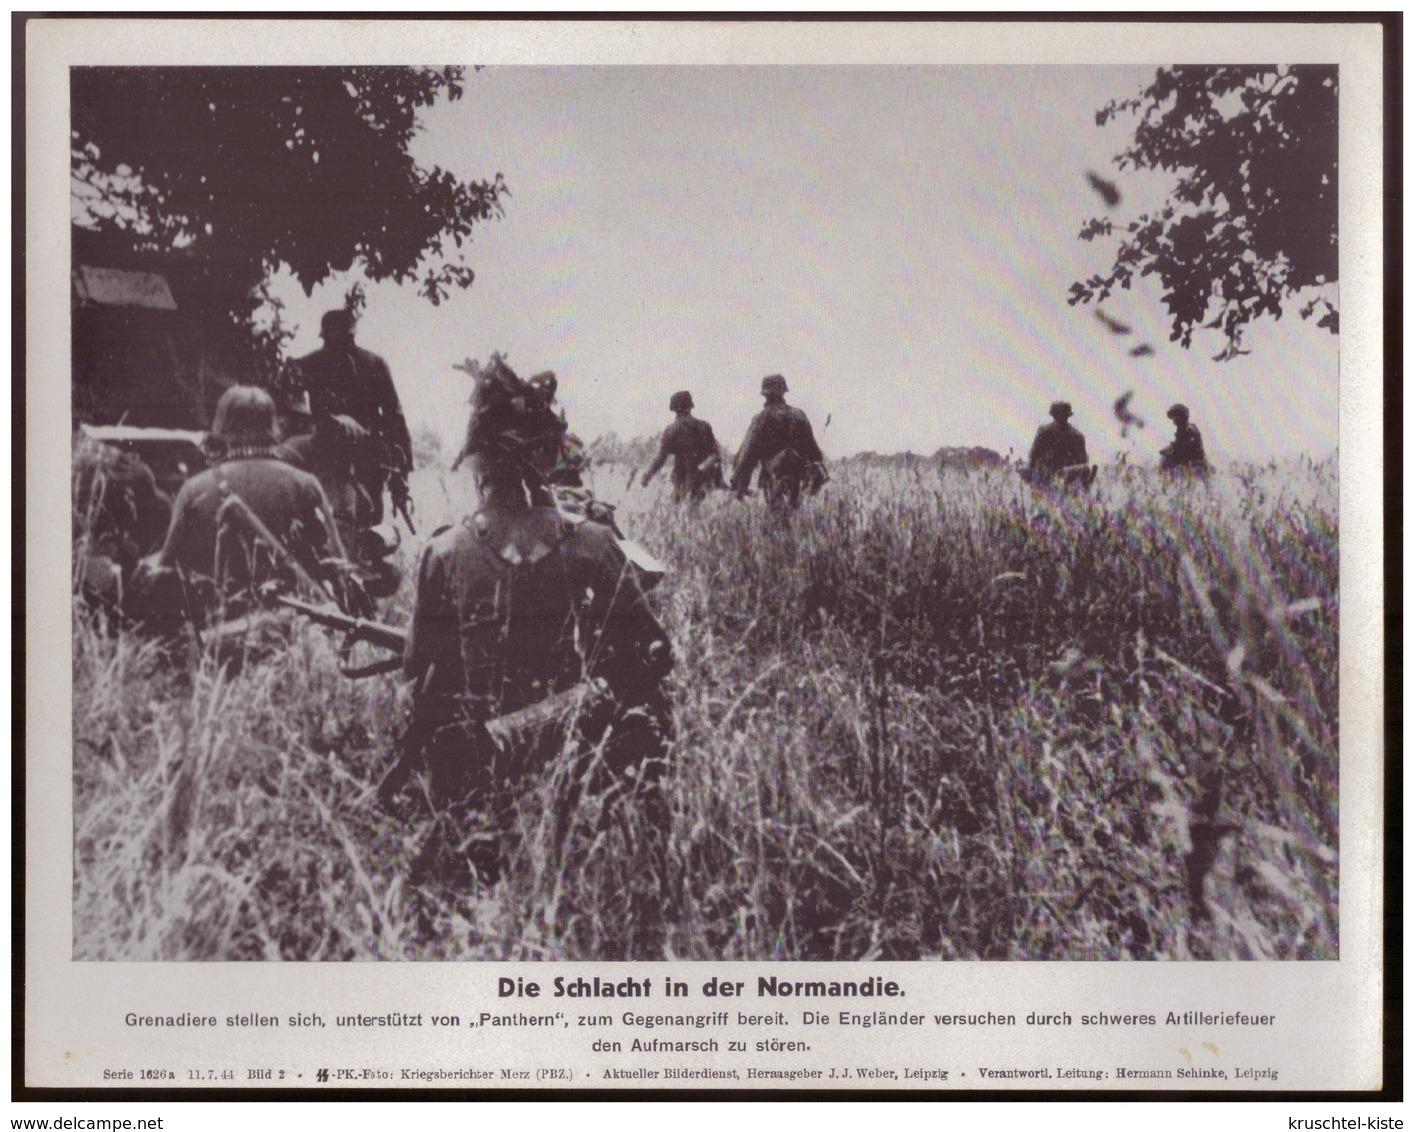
(697, 461)
(527, 606)
(1185, 456)
(347, 384)
(1058, 452)
(781, 442)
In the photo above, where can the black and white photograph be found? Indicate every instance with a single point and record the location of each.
(773, 512)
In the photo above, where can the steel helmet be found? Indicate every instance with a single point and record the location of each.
(245, 414)
(1178, 413)
(774, 385)
(680, 402)
(1060, 410)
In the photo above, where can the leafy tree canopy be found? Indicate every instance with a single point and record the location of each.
(251, 168)
(1252, 219)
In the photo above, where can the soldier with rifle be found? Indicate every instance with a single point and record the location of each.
(347, 387)
(697, 461)
(528, 607)
(781, 442)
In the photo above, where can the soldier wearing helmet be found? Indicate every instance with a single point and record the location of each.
(782, 444)
(697, 461)
(573, 459)
(1185, 454)
(524, 601)
(345, 383)
(1058, 446)
(218, 555)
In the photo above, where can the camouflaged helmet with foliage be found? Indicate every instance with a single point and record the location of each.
(509, 416)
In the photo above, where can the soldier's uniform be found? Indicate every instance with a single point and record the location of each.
(524, 601)
(1057, 446)
(343, 380)
(330, 453)
(782, 444)
(697, 460)
(288, 501)
(216, 553)
(1185, 453)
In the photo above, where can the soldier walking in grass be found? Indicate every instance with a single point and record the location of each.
(697, 461)
(1185, 456)
(351, 392)
(526, 605)
(782, 444)
(1058, 452)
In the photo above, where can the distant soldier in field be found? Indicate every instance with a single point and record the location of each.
(523, 606)
(1058, 452)
(211, 546)
(781, 442)
(1185, 456)
(697, 461)
(346, 383)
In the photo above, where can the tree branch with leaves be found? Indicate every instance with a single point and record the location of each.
(1251, 223)
(247, 169)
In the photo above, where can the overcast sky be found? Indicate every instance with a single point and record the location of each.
(897, 241)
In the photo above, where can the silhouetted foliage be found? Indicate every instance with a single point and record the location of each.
(1252, 219)
(249, 168)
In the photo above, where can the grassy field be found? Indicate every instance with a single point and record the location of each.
(926, 718)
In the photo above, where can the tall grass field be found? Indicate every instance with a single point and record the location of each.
(927, 717)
